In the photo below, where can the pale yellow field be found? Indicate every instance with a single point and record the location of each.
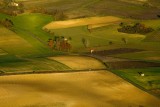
(153, 58)
(83, 89)
(82, 22)
(97, 25)
(79, 62)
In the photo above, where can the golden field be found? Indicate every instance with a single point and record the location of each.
(83, 89)
(79, 62)
(82, 22)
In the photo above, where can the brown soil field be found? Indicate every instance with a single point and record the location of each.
(83, 89)
(116, 51)
(131, 64)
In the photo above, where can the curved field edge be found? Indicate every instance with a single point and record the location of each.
(80, 62)
(149, 82)
(31, 65)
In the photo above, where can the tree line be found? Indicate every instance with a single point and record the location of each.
(136, 28)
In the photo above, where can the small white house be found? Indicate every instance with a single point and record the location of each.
(14, 4)
(92, 50)
(142, 75)
(65, 39)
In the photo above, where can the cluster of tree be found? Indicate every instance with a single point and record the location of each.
(85, 42)
(60, 43)
(7, 23)
(11, 7)
(57, 14)
(136, 28)
(124, 40)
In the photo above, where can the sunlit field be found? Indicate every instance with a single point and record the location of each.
(82, 22)
(79, 62)
(87, 89)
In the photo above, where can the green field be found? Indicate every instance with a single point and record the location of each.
(28, 28)
(150, 81)
(98, 37)
(29, 65)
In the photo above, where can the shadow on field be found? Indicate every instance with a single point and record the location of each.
(131, 64)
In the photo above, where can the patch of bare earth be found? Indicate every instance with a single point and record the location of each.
(132, 64)
(116, 51)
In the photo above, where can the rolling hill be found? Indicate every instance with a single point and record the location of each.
(141, 9)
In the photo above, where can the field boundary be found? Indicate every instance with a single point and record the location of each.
(47, 72)
(131, 82)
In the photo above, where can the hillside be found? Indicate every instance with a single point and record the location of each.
(141, 9)
(14, 44)
(83, 53)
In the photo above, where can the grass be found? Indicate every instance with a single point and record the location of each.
(2, 52)
(153, 37)
(28, 30)
(14, 44)
(152, 23)
(98, 37)
(36, 64)
(151, 74)
(33, 23)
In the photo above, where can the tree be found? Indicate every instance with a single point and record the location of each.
(124, 40)
(110, 42)
(85, 42)
(68, 46)
(51, 43)
(70, 38)
(121, 24)
(21, 7)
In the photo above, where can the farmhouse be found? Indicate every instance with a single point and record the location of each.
(13, 4)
